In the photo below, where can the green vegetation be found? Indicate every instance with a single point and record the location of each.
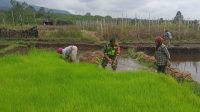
(12, 48)
(41, 81)
(71, 33)
(142, 58)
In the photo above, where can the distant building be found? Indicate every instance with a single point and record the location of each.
(48, 21)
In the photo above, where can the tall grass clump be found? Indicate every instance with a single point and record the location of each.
(41, 81)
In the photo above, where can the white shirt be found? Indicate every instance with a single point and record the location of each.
(67, 51)
(169, 35)
(70, 51)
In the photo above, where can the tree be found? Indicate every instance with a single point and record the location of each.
(25, 5)
(15, 12)
(16, 6)
(2, 16)
(31, 9)
(88, 14)
(13, 2)
(108, 17)
(20, 13)
(41, 12)
(179, 16)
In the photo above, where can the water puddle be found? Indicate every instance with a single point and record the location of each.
(192, 67)
(189, 63)
(127, 64)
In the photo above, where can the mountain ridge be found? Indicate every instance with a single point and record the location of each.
(5, 5)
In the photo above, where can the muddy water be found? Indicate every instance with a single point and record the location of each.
(127, 64)
(185, 62)
(189, 63)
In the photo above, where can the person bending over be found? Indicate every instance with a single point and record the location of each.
(68, 53)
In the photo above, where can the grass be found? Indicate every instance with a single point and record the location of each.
(42, 82)
(140, 57)
(126, 35)
(11, 48)
(69, 33)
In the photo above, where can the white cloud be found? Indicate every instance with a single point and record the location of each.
(157, 8)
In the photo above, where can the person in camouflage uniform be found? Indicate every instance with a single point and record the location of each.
(162, 55)
(111, 53)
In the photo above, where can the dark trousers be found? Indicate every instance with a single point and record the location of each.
(161, 68)
(105, 63)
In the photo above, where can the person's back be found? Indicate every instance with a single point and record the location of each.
(74, 53)
(69, 53)
(66, 51)
(162, 55)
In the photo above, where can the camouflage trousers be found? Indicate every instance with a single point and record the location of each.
(105, 63)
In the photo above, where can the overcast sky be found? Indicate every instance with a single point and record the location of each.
(130, 8)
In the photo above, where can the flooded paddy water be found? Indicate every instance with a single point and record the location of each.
(184, 62)
(128, 64)
(189, 63)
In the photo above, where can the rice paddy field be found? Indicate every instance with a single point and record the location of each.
(42, 82)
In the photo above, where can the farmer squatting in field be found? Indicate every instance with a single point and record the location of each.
(69, 53)
(162, 55)
(111, 53)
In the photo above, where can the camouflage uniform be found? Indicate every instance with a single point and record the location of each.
(112, 53)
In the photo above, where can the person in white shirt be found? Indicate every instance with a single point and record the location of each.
(168, 37)
(69, 53)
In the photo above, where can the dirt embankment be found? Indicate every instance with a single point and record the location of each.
(145, 47)
(195, 50)
(14, 49)
(3, 46)
(149, 49)
(81, 46)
